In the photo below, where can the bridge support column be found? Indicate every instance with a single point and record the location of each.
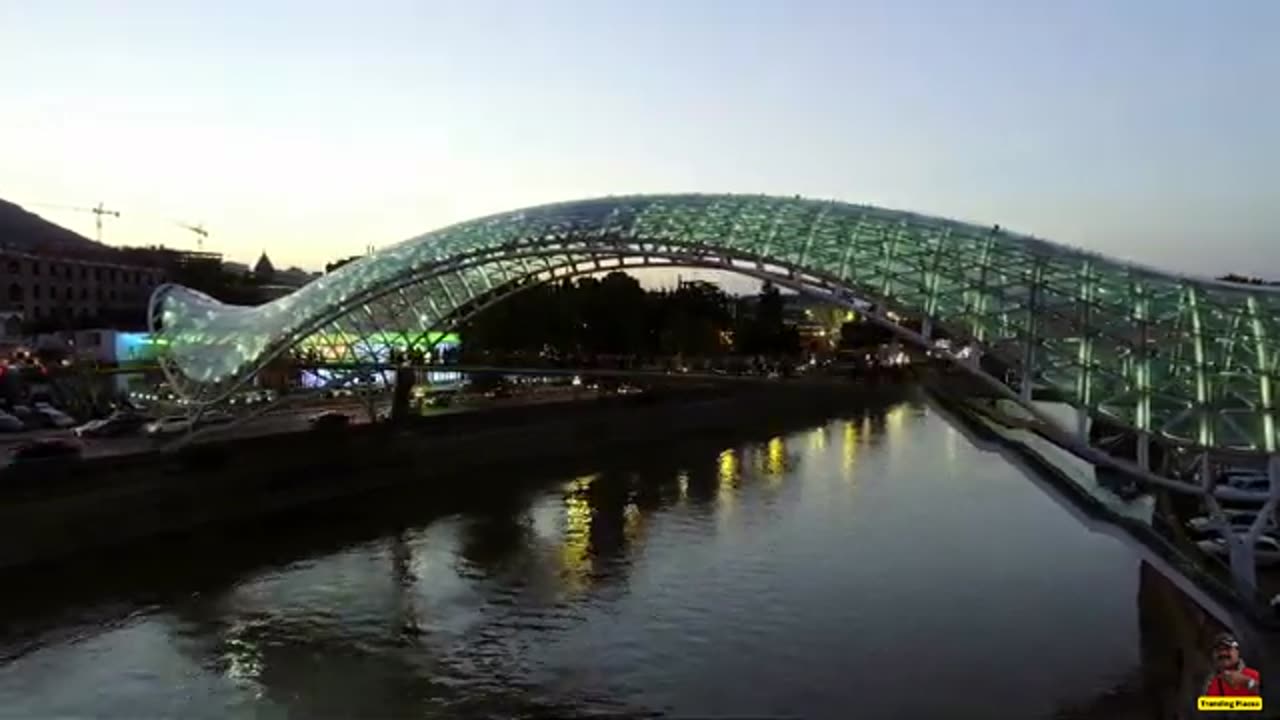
(1082, 425)
(926, 328)
(1143, 450)
(405, 378)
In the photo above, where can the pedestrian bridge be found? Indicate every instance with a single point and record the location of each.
(1184, 363)
(1190, 361)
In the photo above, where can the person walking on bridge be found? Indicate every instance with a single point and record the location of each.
(1231, 676)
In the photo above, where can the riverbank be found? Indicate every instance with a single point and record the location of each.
(1181, 644)
(61, 512)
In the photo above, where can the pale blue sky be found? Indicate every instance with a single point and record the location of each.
(1143, 129)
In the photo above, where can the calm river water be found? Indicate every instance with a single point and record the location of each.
(874, 566)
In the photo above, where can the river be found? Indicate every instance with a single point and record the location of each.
(875, 566)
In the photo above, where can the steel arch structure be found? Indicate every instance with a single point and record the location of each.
(1185, 360)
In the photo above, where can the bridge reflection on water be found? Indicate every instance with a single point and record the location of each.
(825, 569)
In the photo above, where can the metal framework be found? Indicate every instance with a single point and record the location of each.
(1184, 362)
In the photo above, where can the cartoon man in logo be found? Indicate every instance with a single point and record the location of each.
(1231, 676)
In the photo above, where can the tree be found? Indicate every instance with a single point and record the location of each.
(330, 267)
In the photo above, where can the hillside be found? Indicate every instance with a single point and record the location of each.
(28, 232)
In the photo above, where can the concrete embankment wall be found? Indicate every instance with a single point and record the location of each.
(56, 513)
(1176, 632)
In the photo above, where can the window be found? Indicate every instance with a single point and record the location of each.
(15, 292)
(69, 294)
(97, 274)
(102, 295)
(66, 272)
(84, 273)
(84, 293)
(37, 312)
(13, 267)
(35, 267)
(35, 292)
(111, 296)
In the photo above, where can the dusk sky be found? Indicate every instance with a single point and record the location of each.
(1146, 130)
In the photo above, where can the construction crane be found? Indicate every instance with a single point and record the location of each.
(200, 232)
(98, 212)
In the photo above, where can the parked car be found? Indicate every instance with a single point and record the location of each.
(29, 418)
(1267, 549)
(120, 422)
(1245, 479)
(47, 449)
(9, 423)
(331, 420)
(54, 417)
(440, 400)
(215, 417)
(172, 425)
(1234, 518)
(178, 424)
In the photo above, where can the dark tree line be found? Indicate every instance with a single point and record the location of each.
(614, 315)
(1247, 280)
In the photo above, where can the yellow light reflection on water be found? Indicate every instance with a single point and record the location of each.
(632, 523)
(682, 484)
(848, 450)
(818, 439)
(775, 463)
(729, 469)
(894, 421)
(575, 545)
(728, 464)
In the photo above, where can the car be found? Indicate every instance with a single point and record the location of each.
(9, 423)
(55, 417)
(29, 418)
(1244, 479)
(215, 417)
(1267, 549)
(1234, 518)
(331, 420)
(176, 424)
(46, 450)
(1252, 482)
(172, 425)
(440, 400)
(120, 422)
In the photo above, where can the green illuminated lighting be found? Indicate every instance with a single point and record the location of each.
(1146, 349)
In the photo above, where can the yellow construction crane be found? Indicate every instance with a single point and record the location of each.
(98, 212)
(200, 232)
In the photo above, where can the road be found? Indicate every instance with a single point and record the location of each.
(293, 418)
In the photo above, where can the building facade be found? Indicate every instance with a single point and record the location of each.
(74, 291)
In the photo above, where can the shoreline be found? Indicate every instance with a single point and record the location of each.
(108, 504)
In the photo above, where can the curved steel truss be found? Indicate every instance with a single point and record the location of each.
(1184, 360)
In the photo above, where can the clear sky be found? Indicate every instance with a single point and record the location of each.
(1143, 129)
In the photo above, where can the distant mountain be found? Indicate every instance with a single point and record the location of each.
(28, 232)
